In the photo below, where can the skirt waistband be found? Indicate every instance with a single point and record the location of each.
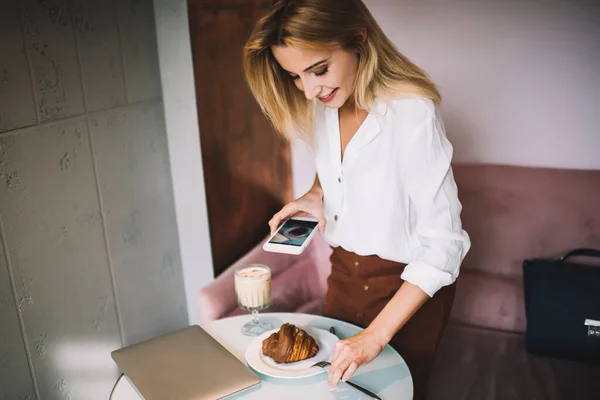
(353, 264)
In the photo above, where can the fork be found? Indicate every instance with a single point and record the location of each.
(325, 364)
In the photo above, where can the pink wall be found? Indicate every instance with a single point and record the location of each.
(520, 78)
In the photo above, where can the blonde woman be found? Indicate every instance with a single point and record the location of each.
(324, 72)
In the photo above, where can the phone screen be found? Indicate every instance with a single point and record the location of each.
(294, 232)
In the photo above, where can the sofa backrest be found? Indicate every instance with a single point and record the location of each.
(512, 214)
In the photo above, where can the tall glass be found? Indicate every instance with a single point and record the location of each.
(253, 291)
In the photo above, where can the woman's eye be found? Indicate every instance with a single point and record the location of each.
(322, 72)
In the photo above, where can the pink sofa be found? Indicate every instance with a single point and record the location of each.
(298, 283)
(511, 213)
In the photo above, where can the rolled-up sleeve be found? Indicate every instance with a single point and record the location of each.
(439, 242)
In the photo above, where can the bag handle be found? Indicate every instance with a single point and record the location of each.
(581, 252)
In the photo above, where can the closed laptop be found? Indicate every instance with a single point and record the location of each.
(187, 364)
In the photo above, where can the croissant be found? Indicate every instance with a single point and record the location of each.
(289, 344)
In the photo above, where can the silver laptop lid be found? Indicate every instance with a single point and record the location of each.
(187, 364)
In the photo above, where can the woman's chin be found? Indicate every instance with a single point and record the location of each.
(335, 103)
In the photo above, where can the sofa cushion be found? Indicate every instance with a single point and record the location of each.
(292, 288)
(489, 300)
(315, 307)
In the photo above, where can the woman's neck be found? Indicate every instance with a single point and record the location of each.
(349, 106)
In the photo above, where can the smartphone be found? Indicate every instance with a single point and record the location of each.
(292, 236)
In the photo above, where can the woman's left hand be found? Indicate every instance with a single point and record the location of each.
(351, 353)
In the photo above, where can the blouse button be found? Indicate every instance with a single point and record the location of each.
(356, 263)
(366, 287)
(335, 217)
(339, 179)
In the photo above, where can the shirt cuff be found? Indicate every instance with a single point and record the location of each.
(427, 277)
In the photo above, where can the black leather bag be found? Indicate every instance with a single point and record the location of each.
(562, 306)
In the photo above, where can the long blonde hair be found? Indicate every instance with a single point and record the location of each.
(382, 70)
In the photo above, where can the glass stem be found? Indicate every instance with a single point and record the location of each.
(255, 317)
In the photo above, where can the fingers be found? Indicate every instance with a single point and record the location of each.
(273, 224)
(335, 374)
(339, 363)
(322, 222)
(285, 212)
(350, 371)
(295, 209)
(337, 350)
(343, 370)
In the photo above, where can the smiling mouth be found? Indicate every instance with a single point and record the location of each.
(329, 96)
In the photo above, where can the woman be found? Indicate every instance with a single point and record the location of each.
(385, 197)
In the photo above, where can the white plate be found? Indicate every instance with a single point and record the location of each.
(301, 369)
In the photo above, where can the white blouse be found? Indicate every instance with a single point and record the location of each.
(393, 195)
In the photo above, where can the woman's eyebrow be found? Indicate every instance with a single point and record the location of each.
(309, 68)
(316, 64)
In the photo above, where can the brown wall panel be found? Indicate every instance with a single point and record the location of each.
(247, 165)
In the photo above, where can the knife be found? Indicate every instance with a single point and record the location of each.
(354, 385)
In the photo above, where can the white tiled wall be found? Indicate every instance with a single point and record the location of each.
(89, 255)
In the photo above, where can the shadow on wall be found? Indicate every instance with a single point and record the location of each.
(248, 210)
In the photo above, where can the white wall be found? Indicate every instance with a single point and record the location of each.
(89, 254)
(179, 97)
(520, 78)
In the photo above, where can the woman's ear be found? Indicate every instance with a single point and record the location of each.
(363, 36)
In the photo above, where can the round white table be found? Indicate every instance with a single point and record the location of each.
(387, 376)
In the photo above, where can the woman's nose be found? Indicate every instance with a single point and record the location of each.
(311, 89)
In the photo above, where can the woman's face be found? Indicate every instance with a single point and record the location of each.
(325, 74)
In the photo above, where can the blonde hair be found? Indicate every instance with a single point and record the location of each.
(382, 70)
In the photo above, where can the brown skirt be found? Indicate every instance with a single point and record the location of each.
(358, 289)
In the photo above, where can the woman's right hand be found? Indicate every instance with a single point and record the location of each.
(309, 204)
